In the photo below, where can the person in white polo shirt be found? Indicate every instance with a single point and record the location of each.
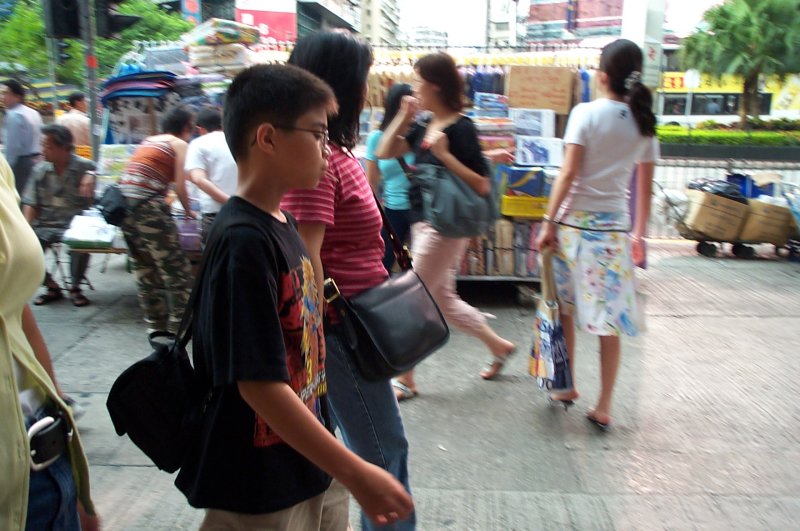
(210, 166)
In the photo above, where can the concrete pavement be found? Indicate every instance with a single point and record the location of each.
(707, 415)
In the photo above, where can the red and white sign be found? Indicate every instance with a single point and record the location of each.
(276, 20)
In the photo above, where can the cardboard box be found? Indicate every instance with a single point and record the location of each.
(716, 217)
(540, 87)
(767, 223)
(539, 151)
(534, 122)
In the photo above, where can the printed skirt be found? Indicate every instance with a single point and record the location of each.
(594, 273)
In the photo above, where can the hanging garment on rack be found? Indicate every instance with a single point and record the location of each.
(586, 91)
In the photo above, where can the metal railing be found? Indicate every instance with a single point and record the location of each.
(674, 174)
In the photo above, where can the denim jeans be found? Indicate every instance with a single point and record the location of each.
(401, 224)
(52, 498)
(368, 418)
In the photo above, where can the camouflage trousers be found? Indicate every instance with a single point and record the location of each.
(163, 271)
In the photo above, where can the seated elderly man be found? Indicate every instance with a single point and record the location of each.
(59, 188)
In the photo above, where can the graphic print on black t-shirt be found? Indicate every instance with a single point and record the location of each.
(302, 336)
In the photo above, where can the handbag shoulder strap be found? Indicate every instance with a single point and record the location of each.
(400, 251)
(184, 334)
(406, 168)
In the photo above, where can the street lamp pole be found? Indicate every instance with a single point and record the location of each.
(88, 32)
(52, 57)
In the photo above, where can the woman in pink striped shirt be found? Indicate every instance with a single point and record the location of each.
(340, 224)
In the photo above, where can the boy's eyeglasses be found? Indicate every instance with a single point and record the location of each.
(322, 136)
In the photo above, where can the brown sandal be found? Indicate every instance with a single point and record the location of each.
(52, 294)
(78, 299)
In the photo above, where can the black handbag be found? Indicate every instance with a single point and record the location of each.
(115, 207)
(393, 326)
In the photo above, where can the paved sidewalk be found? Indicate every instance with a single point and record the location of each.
(707, 415)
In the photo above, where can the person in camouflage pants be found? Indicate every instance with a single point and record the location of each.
(163, 271)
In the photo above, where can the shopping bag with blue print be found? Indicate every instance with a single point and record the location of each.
(549, 361)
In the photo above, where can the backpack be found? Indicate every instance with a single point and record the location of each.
(159, 401)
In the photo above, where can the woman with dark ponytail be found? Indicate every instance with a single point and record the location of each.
(587, 223)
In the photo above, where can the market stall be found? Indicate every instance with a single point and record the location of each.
(519, 101)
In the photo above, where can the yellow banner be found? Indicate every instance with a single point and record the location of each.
(672, 82)
(788, 96)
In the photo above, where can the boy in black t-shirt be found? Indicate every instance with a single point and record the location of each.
(266, 453)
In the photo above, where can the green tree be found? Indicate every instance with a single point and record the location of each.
(22, 41)
(749, 38)
(155, 25)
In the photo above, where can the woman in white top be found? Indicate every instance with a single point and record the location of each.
(588, 222)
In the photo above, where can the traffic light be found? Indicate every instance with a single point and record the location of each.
(109, 22)
(61, 52)
(62, 19)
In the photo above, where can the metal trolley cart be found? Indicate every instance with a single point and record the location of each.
(709, 246)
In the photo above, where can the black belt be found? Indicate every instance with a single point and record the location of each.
(49, 438)
(29, 155)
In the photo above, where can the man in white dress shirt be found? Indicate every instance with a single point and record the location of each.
(22, 133)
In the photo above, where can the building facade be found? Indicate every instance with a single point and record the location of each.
(287, 20)
(380, 22)
(327, 14)
(550, 20)
(502, 26)
(218, 9)
(425, 37)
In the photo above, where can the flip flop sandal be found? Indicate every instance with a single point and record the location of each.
(559, 402)
(78, 299)
(405, 392)
(52, 294)
(495, 365)
(602, 426)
